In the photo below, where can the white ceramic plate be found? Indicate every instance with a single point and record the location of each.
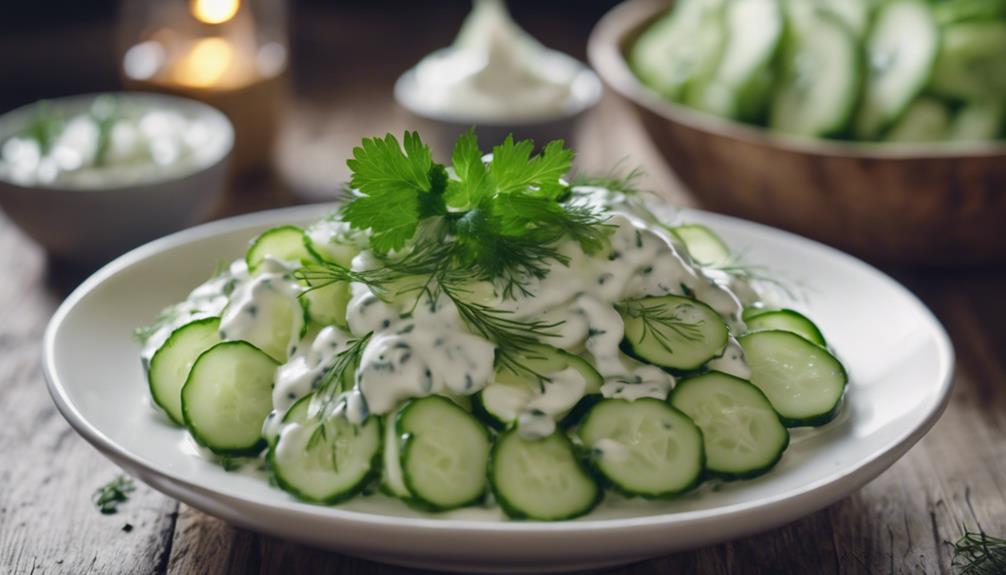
(899, 358)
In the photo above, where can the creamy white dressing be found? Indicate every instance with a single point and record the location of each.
(495, 71)
(419, 348)
(207, 300)
(266, 311)
(732, 361)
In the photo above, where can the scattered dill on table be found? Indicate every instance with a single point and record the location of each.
(114, 493)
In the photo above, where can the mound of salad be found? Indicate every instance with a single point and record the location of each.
(488, 333)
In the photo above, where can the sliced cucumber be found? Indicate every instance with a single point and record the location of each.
(644, 447)
(171, 363)
(672, 53)
(512, 393)
(742, 80)
(284, 243)
(854, 13)
(703, 245)
(900, 51)
(742, 435)
(804, 382)
(227, 397)
(392, 481)
(268, 313)
(972, 61)
(925, 120)
(821, 77)
(444, 453)
(955, 11)
(785, 320)
(323, 243)
(541, 479)
(979, 121)
(327, 305)
(326, 462)
(673, 332)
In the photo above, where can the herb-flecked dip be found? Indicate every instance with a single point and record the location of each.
(487, 333)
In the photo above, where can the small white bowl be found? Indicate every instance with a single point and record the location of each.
(87, 226)
(585, 93)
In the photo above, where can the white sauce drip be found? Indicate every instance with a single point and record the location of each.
(423, 348)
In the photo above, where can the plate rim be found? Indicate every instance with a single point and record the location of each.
(842, 482)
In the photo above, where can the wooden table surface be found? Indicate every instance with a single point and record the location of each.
(899, 523)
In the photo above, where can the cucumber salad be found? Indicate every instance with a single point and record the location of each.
(867, 70)
(490, 334)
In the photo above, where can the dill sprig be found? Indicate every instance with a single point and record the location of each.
(109, 496)
(615, 180)
(333, 382)
(977, 553)
(320, 434)
(515, 340)
(502, 221)
(658, 320)
(736, 267)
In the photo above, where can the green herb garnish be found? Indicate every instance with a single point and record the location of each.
(333, 382)
(977, 553)
(111, 495)
(657, 319)
(44, 127)
(499, 221)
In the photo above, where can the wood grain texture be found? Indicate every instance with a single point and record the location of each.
(898, 524)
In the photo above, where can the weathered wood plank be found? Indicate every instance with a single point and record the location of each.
(48, 523)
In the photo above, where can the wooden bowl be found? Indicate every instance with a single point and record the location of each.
(934, 204)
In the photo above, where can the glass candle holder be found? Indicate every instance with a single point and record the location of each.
(231, 54)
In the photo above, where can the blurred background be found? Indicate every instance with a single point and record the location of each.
(303, 81)
(344, 58)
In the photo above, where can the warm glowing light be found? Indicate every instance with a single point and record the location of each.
(205, 64)
(214, 11)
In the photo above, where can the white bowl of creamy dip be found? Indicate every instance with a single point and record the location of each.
(499, 79)
(90, 176)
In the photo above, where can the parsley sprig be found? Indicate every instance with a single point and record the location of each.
(502, 220)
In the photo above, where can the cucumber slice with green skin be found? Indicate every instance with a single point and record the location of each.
(284, 243)
(327, 305)
(171, 363)
(742, 80)
(967, 10)
(326, 462)
(901, 50)
(678, 48)
(785, 320)
(854, 13)
(541, 479)
(673, 332)
(274, 320)
(742, 435)
(703, 245)
(979, 121)
(510, 394)
(972, 61)
(444, 453)
(323, 245)
(925, 120)
(228, 396)
(821, 74)
(644, 447)
(392, 480)
(804, 382)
